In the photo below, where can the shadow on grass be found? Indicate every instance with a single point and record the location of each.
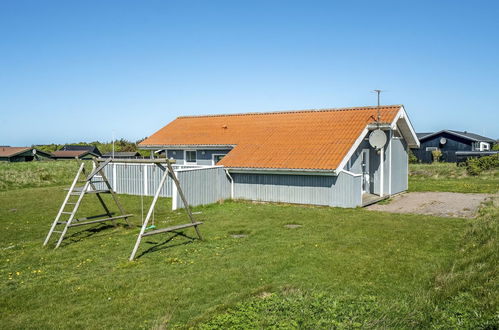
(88, 232)
(164, 245)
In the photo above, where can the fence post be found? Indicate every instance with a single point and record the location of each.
(145, 179)
(114, 176)
(174, 193)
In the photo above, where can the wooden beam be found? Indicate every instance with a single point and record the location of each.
(98, 169)
(137, 161)
(173, 228)
(100, 220)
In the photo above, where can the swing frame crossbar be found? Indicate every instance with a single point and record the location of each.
(167, 172)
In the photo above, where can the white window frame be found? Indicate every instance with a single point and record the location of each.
(484, 146)
(185, 157)
(213, 158)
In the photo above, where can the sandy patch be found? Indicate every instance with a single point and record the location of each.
(441, 204)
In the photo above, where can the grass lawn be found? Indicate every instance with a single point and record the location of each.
(88, 282)
(341, 268)
(452, 178)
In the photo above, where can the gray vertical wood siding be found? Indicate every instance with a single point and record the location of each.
(400, 161)
(343, 190)
(202, 186)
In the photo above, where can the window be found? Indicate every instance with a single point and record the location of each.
(217, 158)
(190, 156)
(484, 146)
(431, 148)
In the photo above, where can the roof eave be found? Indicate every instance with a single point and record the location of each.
(294, 171)
(185, 146)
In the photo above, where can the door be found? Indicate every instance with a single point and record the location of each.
(366, 170)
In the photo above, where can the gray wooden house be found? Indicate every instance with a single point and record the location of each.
(319, 157)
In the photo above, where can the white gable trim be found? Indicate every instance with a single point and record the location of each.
(354, 147)
(400, 115)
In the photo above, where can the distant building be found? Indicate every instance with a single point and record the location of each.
(71, 154)
(22, 154)
(454, 145)
(122, 154)
(74, 147)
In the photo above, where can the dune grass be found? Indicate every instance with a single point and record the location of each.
(345, 254)
(451, 178)
(36, 174)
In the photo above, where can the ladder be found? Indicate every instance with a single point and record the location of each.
(168, 172)
(65, 218)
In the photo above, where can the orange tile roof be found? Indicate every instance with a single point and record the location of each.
(308, 139)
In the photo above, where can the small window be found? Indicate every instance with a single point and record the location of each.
(484, 146)
(431, 148)
(217, 158)
(190, 156)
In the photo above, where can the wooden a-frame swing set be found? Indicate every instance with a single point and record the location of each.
(75, 196)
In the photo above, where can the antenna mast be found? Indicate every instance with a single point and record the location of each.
(378, 91)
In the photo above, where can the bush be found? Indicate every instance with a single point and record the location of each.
(412, 158)
(475, 166)
(436, 155)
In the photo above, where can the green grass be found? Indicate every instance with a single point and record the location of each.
(451, 178)
(342, 268)
(383, 259)
(36, 174)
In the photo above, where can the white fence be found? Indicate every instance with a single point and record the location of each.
(201, 184)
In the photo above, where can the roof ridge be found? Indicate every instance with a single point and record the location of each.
(293, 111)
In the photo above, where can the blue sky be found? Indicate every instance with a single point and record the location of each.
(81, 70)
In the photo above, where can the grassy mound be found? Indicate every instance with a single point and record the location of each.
(36, 174)
(451, 178)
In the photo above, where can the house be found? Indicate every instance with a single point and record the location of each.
(22, 154)
(71, 154)
(75, 147)
(122, 154)
(454, 145)
(319, 157)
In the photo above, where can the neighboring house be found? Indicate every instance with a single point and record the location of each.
(92, 149)
(72, 154)
(319, 157)
(454, 145)
(22, 154)
(122, 154)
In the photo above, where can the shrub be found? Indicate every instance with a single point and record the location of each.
(412, 158)
(436, 155)
(475, 166)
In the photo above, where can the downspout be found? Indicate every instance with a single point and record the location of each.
(382, 170)
(231, 184)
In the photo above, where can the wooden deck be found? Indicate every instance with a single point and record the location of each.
(369, 199)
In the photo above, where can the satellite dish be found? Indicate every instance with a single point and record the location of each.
(443, 140)
(377, 139)
(34, 151)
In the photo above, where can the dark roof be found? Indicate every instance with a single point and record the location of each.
(71, 153)
(467, 135)
(474, 136)
(12, 151)
(421, 135)
(118, 154)
(74, 147)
